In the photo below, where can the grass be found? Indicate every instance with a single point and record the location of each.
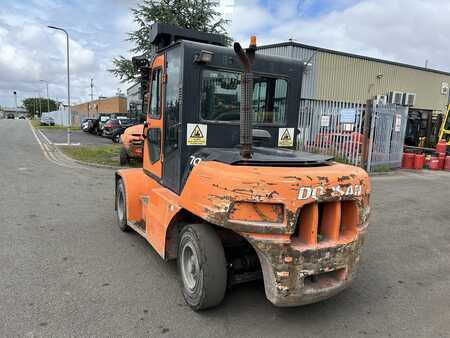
(382, 168)
(36, 124)
(106, 154)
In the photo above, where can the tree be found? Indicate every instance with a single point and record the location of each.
(32, 105)
(201, 15)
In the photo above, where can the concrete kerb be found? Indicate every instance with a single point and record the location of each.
(90, 164)
(49, 144)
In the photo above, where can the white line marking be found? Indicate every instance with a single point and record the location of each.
(47, 155)
(45, 137)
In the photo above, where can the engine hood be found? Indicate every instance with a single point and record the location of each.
(213, 187)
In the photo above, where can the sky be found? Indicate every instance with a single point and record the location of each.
(407, 31)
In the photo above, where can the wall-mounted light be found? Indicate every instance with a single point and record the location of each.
(203, 57)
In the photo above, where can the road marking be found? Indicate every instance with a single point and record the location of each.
(45, 137)
(48, 154)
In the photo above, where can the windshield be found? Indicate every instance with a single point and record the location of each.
(221, 97)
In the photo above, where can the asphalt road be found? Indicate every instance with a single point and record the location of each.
(76, 136)
(67, 270)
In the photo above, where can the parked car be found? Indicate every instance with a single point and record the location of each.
(101, 123)
(110, 126)
(47, 121)
(22, 117)
(89, 125)
(124, 124)
(132, 144)
(10, 116)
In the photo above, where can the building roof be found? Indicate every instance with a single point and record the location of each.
(13, 110)
(330, 51)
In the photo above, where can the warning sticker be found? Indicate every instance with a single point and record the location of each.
(286, 137)
(196, 134)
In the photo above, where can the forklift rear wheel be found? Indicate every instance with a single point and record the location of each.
(123, 158)
(202, 266)
(121, 207)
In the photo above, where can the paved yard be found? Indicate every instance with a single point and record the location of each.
(77, 136)
(67, 270)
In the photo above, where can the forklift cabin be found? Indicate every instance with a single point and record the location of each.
(195, 103)
(222, 188)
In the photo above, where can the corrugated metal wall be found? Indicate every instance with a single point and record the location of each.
(344, 78)
(306, 55)
(355, 79)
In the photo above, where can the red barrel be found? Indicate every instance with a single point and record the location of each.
(447, 163)
(435, 163)
(441, 146)
(419, 161)
(408, 161)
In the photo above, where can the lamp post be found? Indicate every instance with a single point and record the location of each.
(40, 105)
(48, 100)
(68, 80)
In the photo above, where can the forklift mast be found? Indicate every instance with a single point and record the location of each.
(444, 133)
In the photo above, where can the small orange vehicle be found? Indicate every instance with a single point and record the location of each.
(222, 188)
(132, 144)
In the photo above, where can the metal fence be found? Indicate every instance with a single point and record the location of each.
(363, 135)
(333, 128)
(387, 135)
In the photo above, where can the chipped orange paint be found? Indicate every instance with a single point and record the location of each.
(211, 197)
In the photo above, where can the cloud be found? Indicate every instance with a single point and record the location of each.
(29, 51)
(408, 31)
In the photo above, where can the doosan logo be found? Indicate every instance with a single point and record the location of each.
(337, 191)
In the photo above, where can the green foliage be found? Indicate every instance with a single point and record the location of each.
(32, 105)
(201, 15)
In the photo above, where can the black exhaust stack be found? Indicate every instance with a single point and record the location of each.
(246, 111)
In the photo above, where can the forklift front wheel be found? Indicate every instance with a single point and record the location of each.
(121, 206)
(123, 157)
(201, 266)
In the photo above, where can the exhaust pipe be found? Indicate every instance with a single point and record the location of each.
(246, 108)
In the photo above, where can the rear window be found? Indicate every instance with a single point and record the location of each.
(221, 97)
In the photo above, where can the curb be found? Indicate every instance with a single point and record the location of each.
(384, 173)
(90, 164)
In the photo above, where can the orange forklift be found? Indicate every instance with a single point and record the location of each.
(222, 188)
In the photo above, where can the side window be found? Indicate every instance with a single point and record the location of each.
(154, 144)
(173, 95)
(155, 102)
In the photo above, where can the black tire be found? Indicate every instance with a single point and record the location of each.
(116, 138)
(124, 159)
(203, 277)
(121, 206)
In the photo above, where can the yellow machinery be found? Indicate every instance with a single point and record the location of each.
(444, 133)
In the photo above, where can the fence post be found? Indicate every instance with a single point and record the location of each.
(366, 136)
(372, 132)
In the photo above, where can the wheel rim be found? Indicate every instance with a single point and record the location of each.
(120, 205)
(190, 269)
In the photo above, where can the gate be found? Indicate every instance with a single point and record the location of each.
(333, 128)
(368, 136)
(387, 135)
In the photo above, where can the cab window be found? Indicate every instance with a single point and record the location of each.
(155, 105)
(221, 97)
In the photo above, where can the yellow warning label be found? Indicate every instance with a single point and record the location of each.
(196, 134)
(285, 137)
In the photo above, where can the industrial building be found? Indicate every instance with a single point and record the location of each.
(103, 105)
(336, 76)
(134, 104)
